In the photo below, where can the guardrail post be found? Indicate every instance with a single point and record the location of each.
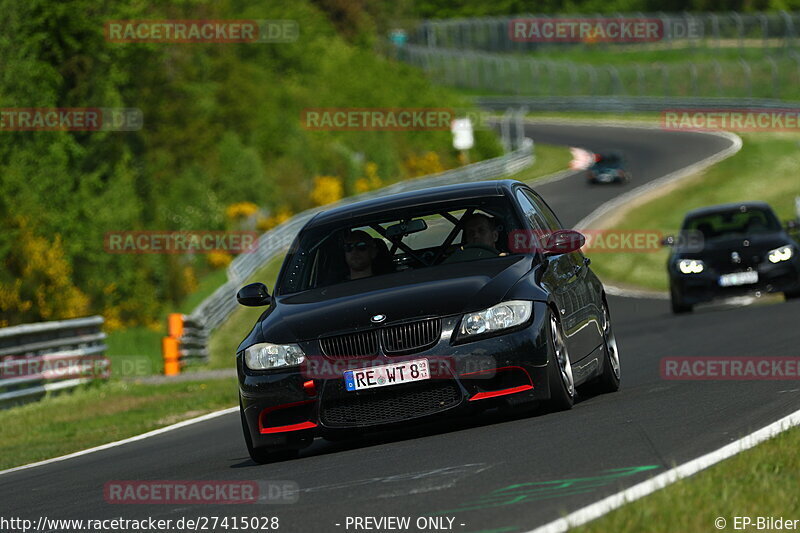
(171, 352)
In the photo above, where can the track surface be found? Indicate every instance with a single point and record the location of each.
(464, 470)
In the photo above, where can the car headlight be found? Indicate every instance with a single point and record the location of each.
(784, 253)
(691, 266)
(265, 355)
(501, 316)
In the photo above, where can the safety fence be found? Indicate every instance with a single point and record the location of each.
(716, 31)
(50, 356)
(495, 73)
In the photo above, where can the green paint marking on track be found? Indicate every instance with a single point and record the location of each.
(543, 490)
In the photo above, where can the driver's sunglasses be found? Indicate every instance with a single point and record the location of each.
(361, 246)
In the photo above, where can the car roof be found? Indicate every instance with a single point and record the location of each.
(721, 208)
(433, 195)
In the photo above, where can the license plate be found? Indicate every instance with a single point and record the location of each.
(385, 375)
(738, 278)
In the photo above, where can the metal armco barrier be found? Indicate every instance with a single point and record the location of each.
(184, 344)
(49, 356)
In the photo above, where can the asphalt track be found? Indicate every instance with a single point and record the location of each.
(491, 473)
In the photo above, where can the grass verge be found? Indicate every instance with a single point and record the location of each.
(103, 412)
(764, 169)
(761, 481)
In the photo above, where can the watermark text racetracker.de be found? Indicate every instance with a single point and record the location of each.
(730, 368)
(180, 242)
(731, 119)
(202, 31)
(601, 240)
(70, 119)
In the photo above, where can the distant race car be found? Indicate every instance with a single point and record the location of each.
(417, 305)
(732, 250)
(608, 168)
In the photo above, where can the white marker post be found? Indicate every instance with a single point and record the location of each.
(462, 137)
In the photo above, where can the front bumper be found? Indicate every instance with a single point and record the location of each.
(288, 408)
(704, 287)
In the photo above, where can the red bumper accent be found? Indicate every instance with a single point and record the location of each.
(289, 427)
(501, 392)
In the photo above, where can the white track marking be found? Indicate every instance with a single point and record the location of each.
(615, 501)
(143, 436)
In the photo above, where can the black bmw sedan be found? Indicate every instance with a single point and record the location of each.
(438, 302)
(732, 250)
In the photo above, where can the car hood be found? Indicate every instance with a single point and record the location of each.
(434, 291)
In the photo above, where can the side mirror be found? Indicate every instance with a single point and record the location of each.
(254, 295)
(669, 240)
(563, 242)
(791, 225)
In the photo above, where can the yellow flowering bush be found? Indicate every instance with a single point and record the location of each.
(267, 223)
(219, 259)
(326, 190)
(428, 163)
(371, 179)
(241, 210)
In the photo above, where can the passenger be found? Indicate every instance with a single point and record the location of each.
(359, 253)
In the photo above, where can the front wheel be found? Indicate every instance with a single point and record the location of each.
(609, 379)
(791, 295)
(678, 306)
(559, 369)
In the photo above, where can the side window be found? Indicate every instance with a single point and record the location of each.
(531, 211)
(544, 210)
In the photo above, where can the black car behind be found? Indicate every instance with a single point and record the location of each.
(732, 250)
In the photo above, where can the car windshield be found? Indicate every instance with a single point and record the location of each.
(733, 223)
(608, 161)
(389, 243)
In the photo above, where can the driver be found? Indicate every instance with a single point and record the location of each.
(360, 252)
(480, 230)
(480, 235)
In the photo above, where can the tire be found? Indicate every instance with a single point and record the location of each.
(609, 379)
(263, 455)
(559, 370)
(678, 306)
(791, 295)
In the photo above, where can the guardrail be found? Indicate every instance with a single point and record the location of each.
(216, 308)
(50, 356)
(185, 343)
(624, 104)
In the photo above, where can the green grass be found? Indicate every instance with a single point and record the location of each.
(101, 413)
(143, 344)
(766, 168)
(761, 481)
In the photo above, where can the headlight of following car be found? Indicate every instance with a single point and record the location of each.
(784, 253)
(691, 266)
(501, 316)
(265, 355)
